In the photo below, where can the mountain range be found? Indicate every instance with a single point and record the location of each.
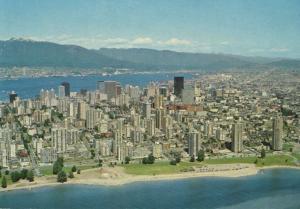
(20, 52)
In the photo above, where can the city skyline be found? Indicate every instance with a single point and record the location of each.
(150, 104)
(251, 28)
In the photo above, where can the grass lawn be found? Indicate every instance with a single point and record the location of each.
(231, 160)
(165, 168)
(276, 160)
(158, 168)
(296, 155)
(287, 147)
(8, 179)
(47, 170)
(269, 160)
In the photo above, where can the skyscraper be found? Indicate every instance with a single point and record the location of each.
(147, 110)
(67, 88)
(178, 86)
(90, 118)
(194, 142)
(277, 133)
(237, 137)
(61, 91)
(59, 139)
(159, 114)
(12, 96)
(110, 88)
(82, 107)
(188, 94)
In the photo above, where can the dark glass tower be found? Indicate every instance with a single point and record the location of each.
(178, 86)
(67, 88)
(12, 96)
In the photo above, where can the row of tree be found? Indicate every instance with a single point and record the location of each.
(200, 156)
(17, 175)
(61, 174)
(148, 160)
(177, 158)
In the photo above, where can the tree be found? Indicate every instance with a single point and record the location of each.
(6, 172)
(100, 162)
(192, 159)
(93, 154)
(145, 160)
(263, 153)
(178, 159)
(4, 182)
(173, 162)
(15, 176)
(60, 160)
(56, 167)
(127, 160)
(61, 176)
(74, 169)
(24, 173)
(151, 159)
(148, 160)
(30, 176)
(200, 155)
(47, 122)
(78, 171)
(71, 175)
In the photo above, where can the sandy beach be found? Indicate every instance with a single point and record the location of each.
(116, 176)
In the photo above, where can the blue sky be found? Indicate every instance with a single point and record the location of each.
(245, 27)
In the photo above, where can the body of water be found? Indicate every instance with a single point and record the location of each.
(270, 189)
(30, 87)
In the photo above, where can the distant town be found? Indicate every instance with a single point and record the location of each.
(221, 118)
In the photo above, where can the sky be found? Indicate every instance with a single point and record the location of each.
(243, 27)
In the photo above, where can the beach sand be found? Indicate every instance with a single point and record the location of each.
(116, 176)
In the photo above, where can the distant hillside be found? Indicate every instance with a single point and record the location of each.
(46, 54)
(19, 52)
(286, 64)
(174, 60)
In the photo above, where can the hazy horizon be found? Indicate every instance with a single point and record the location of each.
(247, 28)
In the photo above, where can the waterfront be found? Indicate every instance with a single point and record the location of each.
(273, 188)
(24, 86)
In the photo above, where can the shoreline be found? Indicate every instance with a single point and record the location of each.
(128, 178)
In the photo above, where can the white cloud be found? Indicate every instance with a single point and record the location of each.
(224, 43)
(142, 40)
(175, 42)
(100, 41)
(279, 49)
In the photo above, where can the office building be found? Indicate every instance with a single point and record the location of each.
(188, 94)
(194, 142)
(61, 91)
(67, 88)
(178, 86)
(59, 139)
(237, 138)
(277, 133)
(12, 97)
(110, 88)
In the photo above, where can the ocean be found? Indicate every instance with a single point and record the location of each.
(270, 189)
(30, 87)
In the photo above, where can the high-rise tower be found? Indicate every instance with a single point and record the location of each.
(178, 86)
(277, 133)
(237, 137)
